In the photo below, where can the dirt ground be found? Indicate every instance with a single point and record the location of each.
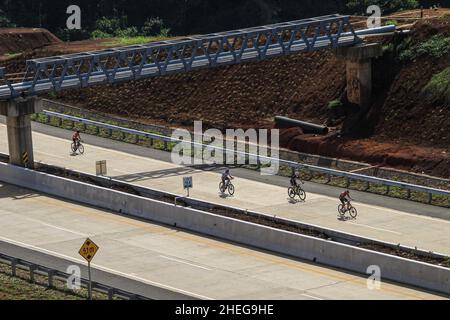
(401, 130)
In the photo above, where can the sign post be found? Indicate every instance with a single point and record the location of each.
(88, 251)
(187, 184)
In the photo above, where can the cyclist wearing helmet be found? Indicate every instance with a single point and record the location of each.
(344, 198)
(294, 178)
(226, 177)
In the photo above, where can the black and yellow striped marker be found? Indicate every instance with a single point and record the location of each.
(25, 159)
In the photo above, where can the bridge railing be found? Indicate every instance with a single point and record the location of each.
(265, 160)
(181, 55)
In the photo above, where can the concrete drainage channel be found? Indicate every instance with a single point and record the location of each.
(323, 246)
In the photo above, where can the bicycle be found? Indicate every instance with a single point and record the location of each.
(297, 191)
(229, 187)
(78, 147)
(349, 208)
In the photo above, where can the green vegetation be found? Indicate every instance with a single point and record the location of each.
(438, 88)
(20, 287)
(133, 41)
(437, 46)
(334, 104)
(391, 22)
(11, 55)
(118, 28)
(387, 6)
(182, 17)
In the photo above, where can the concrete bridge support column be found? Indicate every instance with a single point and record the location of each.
(17, 113)
(359, 71)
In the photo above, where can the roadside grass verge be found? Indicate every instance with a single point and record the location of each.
(20, 287)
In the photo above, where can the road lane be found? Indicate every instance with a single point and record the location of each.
(199, 266)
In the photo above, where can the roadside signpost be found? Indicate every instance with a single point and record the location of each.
(188, 184)
(88, 251)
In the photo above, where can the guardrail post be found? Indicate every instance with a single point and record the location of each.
(14, 266)
(430, 198)
(133, 297)
(408, 194)
(367, 186)
(347, 182)
(32, 268)
(388, 189)
(166, 148)
(328, 179)
(110, 293)
(51, 274)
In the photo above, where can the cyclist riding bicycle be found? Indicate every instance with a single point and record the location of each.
(294, 178)
(226, 177)
(344, 198)
(76, 139)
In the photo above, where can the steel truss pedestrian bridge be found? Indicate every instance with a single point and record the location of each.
(179, 55)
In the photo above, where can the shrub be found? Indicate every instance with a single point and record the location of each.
(438, 88)
(108, 25)
(332, 105)
(127, 33)
(154, 27)
(98, 34)
(437, 47)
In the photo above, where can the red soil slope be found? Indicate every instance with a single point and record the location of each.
(18, 40)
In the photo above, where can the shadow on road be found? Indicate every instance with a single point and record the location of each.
(166, 173)
(16, 193)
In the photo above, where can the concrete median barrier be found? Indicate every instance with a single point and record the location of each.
(317, 250)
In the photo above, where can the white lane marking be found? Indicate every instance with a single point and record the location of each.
(375, 228)
(56, 254)
(63, 229)
(312, 297)
(184, 262)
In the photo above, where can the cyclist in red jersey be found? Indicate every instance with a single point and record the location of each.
(344, 198)
(76, 138)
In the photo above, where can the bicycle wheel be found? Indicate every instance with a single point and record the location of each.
(81, 149)
(353, 212)
(302, 194)
(341, 210)
(291, 193)
(73, 147)
(221, 187)
(231, 189)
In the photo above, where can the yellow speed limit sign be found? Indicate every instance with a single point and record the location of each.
(88, 250)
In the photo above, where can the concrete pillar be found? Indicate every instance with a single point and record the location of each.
(359, 71)
(17, 113)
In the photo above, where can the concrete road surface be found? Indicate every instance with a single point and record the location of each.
(190, 264)
(379, 217)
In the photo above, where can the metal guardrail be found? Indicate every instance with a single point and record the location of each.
(261, 159)
(183, 55)
(52, 274)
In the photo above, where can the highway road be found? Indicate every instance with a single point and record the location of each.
(187, 263)
(393, 220)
